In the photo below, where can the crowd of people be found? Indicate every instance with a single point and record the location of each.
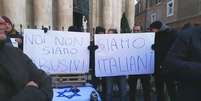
(177, 67)
(167, 78)
(164, 38)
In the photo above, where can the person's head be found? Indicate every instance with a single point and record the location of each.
(156, 26)
(100, 30)
(112, 31)
(137, 29)
(74, 29)
(8, 24)
(186, 26)
(45, 29)
(148, 30)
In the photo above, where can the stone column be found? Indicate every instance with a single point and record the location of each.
(107, 14)
(130, 12)
(98, 12)
(29, 13)
(117, 14)
(124, 6)
(112, 12)
(42, 13)
(16, 11)
(65, 13)
(91, 16)
(1, 7)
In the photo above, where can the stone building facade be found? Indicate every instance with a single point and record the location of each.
(187, 12)
(174, 13)
(141, 9)
(38, 12)
(108, 13)
(59, 14)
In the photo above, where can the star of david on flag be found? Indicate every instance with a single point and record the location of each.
(68, 93)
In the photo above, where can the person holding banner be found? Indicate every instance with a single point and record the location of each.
(120, 80)
(145, 79)
(137, 29)
(164, 39)
(74, 29)
(20, 79)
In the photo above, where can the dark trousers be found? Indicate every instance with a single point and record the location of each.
(145, 80)
(121, 81)
(189, 92)
(160, 81)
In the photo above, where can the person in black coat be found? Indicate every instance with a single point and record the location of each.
(163, 41)
(184, 63)
(20, 79)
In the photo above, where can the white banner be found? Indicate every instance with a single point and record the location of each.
(124, 54)
(58, 52)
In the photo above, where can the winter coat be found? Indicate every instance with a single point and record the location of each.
(163, 42)
(184, 63)
(16, 70)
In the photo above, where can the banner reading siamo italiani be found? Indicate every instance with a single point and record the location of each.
(124, 54)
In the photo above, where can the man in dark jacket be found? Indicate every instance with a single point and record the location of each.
(184, 62)
(163, 41)
(20, 79)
